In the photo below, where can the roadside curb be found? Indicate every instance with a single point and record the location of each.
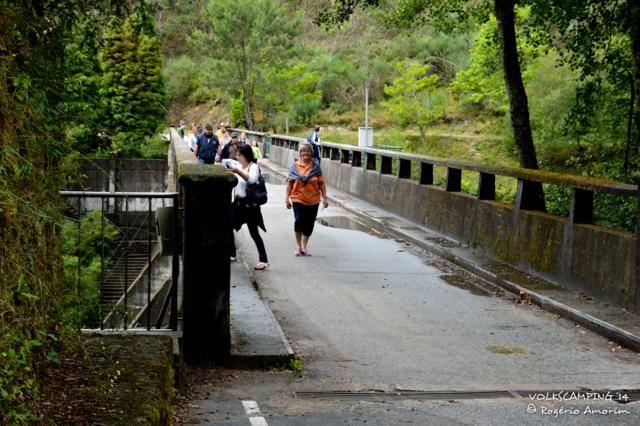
(603, 328)
(249, 349)
(256, 285)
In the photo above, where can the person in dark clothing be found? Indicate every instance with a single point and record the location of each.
(247, 172)
(314, 141)
(207, 146)
(231, 148)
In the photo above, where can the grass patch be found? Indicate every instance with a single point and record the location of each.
(296, 365)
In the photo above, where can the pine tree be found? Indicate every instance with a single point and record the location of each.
(131, 87)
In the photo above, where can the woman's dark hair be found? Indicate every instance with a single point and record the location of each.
(247, 152)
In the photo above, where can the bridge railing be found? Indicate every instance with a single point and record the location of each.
(571, 248)
(582, 187)
(137, 286)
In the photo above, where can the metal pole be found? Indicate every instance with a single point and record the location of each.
(126, 259)
(78, 270)
(175, 266)
(366, 105)
(102, 258)
(149, 266)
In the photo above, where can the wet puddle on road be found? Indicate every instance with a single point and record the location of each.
(273, 179)
(345, 222)
(452, 274)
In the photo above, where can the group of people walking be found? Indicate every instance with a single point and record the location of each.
(305, 189)
(210, 147)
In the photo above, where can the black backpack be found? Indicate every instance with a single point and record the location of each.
(256, 193)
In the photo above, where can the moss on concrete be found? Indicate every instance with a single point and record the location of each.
(115, 380)
(197, 172)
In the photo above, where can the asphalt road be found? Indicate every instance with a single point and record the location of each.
(366, 312)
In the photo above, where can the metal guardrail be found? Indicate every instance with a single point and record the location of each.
(582, 187)
(123, 249)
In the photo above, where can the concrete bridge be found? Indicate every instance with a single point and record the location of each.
(407, 311)
(421, 303)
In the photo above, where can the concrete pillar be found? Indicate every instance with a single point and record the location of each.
(206, 201)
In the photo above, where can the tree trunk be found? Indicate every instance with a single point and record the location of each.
(248, 110)
(518, 104)
(632, 104)
(530, 194)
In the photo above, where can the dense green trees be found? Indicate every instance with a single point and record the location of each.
(411, 97)
(131, 86)
(115, 89)
(245, 40)
(448, 14)
(33, 295)
(50, 84)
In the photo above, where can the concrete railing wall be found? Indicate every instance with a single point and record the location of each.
(205, 205)
(597, 261)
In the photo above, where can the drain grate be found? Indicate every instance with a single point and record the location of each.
(621, 396)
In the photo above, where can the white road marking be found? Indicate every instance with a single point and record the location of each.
(251, 408)
(253, 411)
(258, 421)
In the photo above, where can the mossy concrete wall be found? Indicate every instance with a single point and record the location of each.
(594, 260)
(205, 193)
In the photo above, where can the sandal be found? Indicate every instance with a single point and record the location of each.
(261, 266)
(305, 253)
(298, 253)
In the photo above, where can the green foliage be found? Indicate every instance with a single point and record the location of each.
(33, 101)
(236, 109)
(181, 77)
(82, 101)
(482, 83)
(175, 21)
(338, 77)
(594, 42)
(131, 85)
(245, 40)
(411, 99)
(83, 303)
(49, 80)
(296, 365)
(155, 146)
(18, 386)
(290, 92)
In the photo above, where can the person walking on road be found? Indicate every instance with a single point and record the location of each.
(230, 149)
(305, 190)
(314, 140)
(207, 146)
(257, 154)
(192, 139)
(247, 172)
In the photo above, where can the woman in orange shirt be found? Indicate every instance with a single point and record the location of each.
(305, 190)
